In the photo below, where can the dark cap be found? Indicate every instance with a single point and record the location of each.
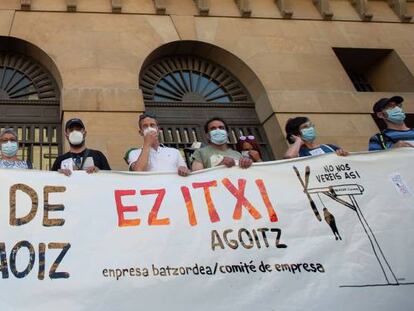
(74, 121)
(380, 105)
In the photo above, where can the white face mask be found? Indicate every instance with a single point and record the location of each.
(149, 130)
(76, 138)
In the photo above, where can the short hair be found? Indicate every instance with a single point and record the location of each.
(292, 127)
(215, 119)
(147, 115)
(9, 130)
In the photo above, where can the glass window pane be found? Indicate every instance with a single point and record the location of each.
(186, 75)
(224, 99)
(202, 84)
(210, 87)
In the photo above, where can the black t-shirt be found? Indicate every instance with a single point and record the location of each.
(75, 160)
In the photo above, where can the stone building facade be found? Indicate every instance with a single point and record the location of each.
(254, 62)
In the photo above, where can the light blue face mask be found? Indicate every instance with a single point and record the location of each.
(218, 137)
(10, 148)
(308, 134)
(395, 115)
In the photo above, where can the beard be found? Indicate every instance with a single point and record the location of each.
(78, 145)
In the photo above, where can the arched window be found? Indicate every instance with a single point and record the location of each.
(29, 103)
(185, 91)
(190, 79)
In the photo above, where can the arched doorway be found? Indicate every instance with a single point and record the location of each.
(29, 103)
(184, 90)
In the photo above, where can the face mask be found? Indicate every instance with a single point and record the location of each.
(245, 153)
(308, 134)
(395, 115)
(10, 148)
(76, 138)
(218, 137)
(149, 130)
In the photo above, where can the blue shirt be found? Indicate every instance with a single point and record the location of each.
(305, 151)
(387, 138)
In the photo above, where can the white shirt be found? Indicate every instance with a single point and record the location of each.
(69, 163)
(162, 159)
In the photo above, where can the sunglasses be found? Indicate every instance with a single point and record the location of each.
(249, 137)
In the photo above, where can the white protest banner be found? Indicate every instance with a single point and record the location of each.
(321, 233)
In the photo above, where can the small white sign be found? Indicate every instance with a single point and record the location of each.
(317, 151)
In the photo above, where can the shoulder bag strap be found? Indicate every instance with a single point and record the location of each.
(85, 155)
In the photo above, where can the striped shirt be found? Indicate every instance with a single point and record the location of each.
(15, 164)
(387, 138)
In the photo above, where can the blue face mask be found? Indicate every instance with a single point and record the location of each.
(218, 137)
(308, 134)
(10, 148)
(395, 115)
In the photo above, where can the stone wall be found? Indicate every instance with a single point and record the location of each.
(99, 56)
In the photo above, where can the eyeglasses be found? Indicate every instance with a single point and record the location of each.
(249, 137)
(147, 115)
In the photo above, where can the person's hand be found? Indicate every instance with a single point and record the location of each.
(255, 155)
(341, 152)
(65, 171)
(150, 138)
(92, 169)
(298, 140)
(402, 143)
(183, 171)
(227, 161)
(245, 162)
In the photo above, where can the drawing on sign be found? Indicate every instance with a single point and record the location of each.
(338, 193)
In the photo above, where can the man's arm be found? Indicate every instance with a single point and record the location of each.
(245, 162)
(141, 164)
(338, 150)
(197, 165)
(57, 167)
(182, 168)
(401, 143)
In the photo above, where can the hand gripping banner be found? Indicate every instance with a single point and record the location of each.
(320, 233)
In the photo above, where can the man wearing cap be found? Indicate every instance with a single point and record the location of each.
(397, 133)
(79, 157)
(153, 156)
